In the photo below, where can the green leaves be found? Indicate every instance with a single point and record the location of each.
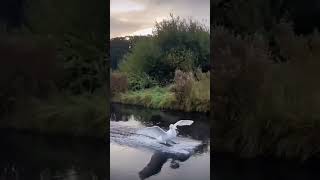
(78, 28)
(175, 44)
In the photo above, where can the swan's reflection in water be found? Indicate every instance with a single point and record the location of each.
(158, 159)
(156, 162)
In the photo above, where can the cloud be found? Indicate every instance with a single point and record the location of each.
(129, 16)
(121, 28)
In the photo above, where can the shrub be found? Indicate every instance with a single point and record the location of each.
(189, 36)
(28, 68)
(118, 83)
(80, 52)
(263, 105)
(139, 81)
(182, 86)
(175, 44)
(239, 68)
(200, 92)
(143, 58)
(192, 90)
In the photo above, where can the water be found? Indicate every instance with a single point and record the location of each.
(33, 157)
(136, 157)
(131, 162)
(229, 167)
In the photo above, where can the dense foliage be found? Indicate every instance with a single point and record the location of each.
(265, 95)
(245, 16)
(175, 44)
(58, 49)
(79, 38)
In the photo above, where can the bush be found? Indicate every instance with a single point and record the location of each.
(139, 81)
(238, 73)
(192, 91)
(182, 86)
(200, 92)
(80, 52)
(118, 83)
(175, 44)
(28, 68)
(184, 36)
(144, 56)
(263, 105)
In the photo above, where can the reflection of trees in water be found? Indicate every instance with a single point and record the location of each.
(12, 172)
(9, 172)
(229, 166)
(158, 159)
(26, 156)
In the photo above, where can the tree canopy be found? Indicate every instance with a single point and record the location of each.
(175, 44)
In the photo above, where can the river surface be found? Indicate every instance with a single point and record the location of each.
(24, 156)
(133, 157)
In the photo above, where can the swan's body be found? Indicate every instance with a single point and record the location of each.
(164, 136)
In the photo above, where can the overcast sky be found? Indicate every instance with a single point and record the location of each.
(137, 17)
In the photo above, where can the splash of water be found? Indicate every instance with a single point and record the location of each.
(124, 133)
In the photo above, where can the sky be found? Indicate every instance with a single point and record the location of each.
(137, 17)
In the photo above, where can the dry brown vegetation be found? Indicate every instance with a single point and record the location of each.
(118, 83)
(266, 97)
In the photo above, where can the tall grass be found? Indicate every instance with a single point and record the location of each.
(157, 97)
(192, 90)
(28, 67)
(82, 115)
(118, 83)
(263, 106)
(200, 92)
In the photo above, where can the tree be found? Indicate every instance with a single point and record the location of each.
(176, 44)
(79, 30)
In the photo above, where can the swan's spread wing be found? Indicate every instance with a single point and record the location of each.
(154, 131)
(183, 123)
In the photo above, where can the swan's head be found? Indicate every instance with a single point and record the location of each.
(172, 127)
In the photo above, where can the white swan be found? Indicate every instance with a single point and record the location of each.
(164, 136)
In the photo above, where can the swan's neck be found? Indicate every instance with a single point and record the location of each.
(172, 132)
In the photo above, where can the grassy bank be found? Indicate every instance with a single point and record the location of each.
(158, 98)
(185, 94)
(82, 115)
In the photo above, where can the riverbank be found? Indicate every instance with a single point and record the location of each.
(163, 98)
(82, 115)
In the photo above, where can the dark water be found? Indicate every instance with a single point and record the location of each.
(135, 163)
(34, 157)
(229, 167)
